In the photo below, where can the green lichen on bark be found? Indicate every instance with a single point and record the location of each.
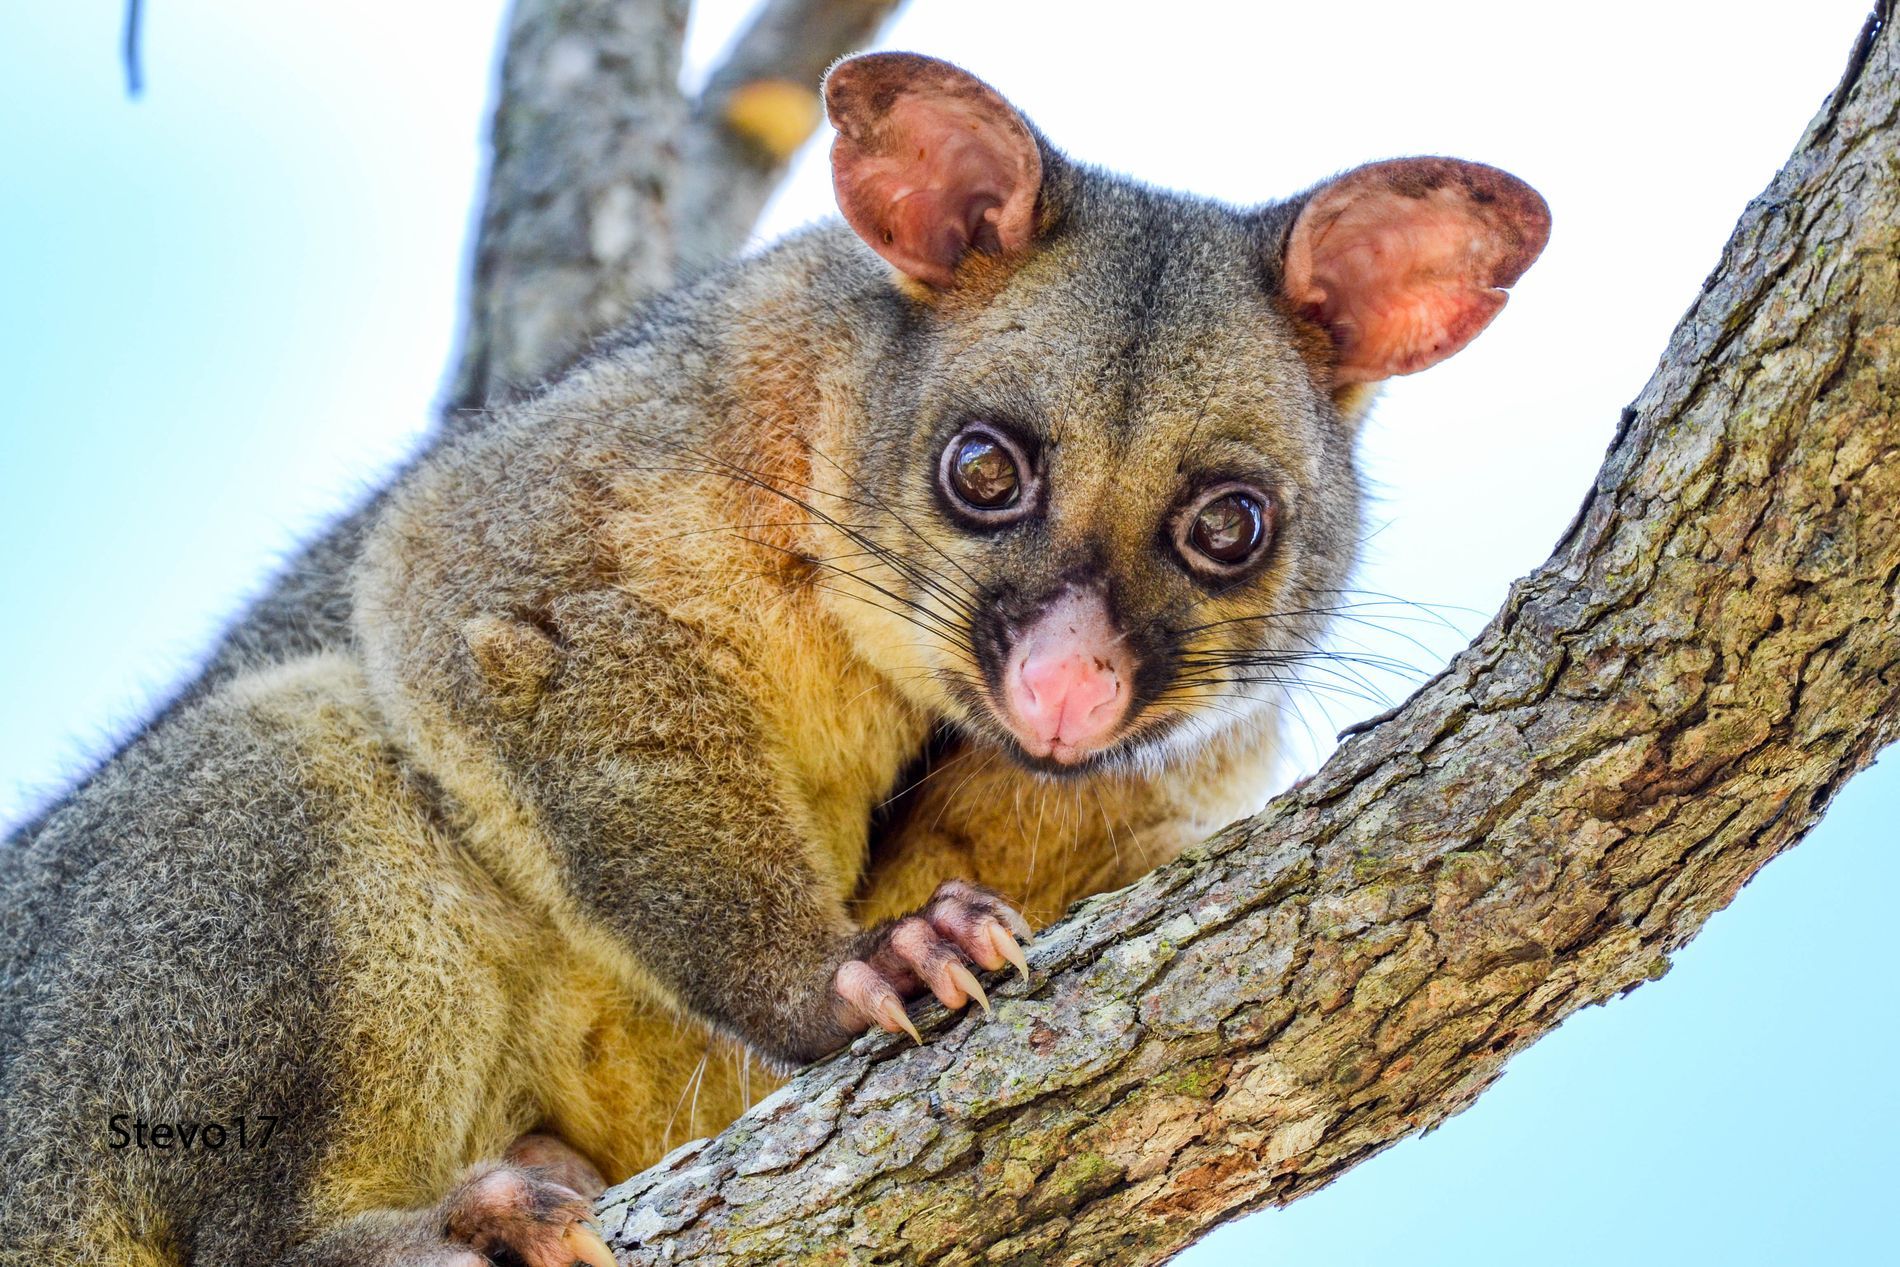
(1658, 711)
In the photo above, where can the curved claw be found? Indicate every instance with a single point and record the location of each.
(967, 982)
(891, 1015)
(1007, 947)
(586, 1246)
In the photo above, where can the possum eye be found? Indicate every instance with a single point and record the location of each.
(1225, 528)
(986, 475)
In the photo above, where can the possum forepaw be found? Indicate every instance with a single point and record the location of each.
(516, 1214)
(930, 951)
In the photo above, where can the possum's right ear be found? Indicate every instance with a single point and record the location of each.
(1403, 262)
(930, 163)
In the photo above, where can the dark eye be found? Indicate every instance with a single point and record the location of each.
(1226, 528)
(986, 475)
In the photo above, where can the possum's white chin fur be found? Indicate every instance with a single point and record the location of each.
(1260, 710)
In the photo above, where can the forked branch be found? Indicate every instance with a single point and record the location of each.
(606, 181)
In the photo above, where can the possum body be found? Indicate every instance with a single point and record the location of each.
(920, 573)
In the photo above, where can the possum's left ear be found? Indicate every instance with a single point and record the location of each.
(930, 163)
(1404, 262)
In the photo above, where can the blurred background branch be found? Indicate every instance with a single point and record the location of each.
(607, 183)
(129, 49)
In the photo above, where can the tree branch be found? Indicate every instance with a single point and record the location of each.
(755, 112)
(1656, 712)
(572, 227)
(606, 183)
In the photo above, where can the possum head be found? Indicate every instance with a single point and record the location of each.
(1114, 443)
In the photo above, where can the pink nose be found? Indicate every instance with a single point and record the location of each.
(1073, 698)
(1066, 684)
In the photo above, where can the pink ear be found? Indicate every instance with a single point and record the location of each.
(929, 163)
(1405, 261)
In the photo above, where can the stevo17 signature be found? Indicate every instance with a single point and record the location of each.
(241, 1131)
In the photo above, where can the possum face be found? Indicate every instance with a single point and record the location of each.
(1116, 443)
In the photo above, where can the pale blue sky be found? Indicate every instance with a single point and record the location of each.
(225, 308)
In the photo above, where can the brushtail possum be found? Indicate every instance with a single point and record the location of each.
(1024, 469)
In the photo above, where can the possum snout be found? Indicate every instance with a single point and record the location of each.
(1068, 679)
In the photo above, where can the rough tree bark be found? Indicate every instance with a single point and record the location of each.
(1659, 710)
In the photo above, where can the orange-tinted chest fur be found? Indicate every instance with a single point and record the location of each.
(731, 563)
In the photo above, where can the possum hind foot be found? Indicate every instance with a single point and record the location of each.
(929, 950)
(552, 1158)
(514, 1214)
(508, 1214)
